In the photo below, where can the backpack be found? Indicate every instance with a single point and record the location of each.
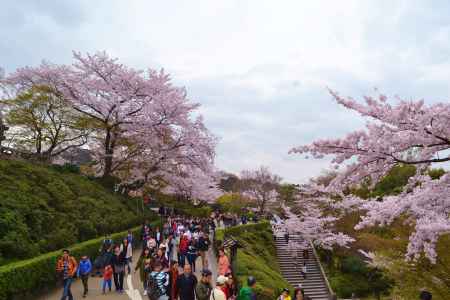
(153, 290)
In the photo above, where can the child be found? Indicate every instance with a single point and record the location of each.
(107, 275)
(147, 271)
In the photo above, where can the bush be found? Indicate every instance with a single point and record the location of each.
(44, 208)
(256, 256)
(21, 280)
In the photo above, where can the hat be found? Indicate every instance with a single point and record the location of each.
(221, 280)
(206, 272)
(286, 290)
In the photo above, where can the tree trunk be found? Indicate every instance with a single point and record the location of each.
(108, 159)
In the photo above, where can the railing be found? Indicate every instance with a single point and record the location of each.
(330, 290)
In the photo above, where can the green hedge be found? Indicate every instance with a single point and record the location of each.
(20, 280)
(45, 208)
(256, 257)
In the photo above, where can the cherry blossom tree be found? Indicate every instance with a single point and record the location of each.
(260, 186)
(195, 184)
(119, 100)
(313, 223)
(408, 132)
(145, 130)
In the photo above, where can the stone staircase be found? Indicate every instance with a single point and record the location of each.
(315, 285)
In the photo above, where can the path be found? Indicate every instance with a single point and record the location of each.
(133, 286)
(315, 285)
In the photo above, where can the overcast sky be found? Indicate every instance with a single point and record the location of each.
(259, 68)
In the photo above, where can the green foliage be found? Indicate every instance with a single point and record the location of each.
(232, 203)
(256, 257)
(350, 274)
(43, 123)
(288, 192)
(21, 280)
(183, 206)
(46, 208)
(436, 173)
(393, 183)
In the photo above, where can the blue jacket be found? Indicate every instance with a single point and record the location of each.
(85, 267)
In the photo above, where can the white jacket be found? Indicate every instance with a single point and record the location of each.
(217, 294)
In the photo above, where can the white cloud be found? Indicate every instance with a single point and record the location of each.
(260, 68)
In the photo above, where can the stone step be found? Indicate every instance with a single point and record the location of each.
(314, 285)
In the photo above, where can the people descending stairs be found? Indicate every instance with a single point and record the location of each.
(314, 285)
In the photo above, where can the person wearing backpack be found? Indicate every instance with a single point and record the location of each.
(158, 283)
(83, 271)
(67, 266)
(203, 288)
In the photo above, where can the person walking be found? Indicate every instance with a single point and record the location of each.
(161, 258)
(161, 280)
(192, 254)
(118, 263)
(186, 284)
(173, 275)
(158, 237)
(130, 237)
(83, 271)
(230, 287)
(127, 249)
(247, 293)
(203, 246)
(67, 267)
(223, 263)
(305, 254)
(140, 265)
(304, 270)
(183, 249)
(107, 278)
(204, 288)
(217, 293)
(286, 237)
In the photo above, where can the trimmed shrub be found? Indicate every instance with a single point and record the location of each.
(44, 208)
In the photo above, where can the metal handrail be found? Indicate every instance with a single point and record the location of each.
(330, 290)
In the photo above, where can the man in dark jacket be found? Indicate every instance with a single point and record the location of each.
(203, 289)
(186, 284)
(203, 246)
(118, 262)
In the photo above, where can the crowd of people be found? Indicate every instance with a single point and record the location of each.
(166, 264)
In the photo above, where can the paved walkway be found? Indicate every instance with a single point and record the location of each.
(133, 285)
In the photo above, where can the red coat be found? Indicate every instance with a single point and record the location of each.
(107, 275)
(184, 244)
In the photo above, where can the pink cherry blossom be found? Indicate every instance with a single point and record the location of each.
(408, 132)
